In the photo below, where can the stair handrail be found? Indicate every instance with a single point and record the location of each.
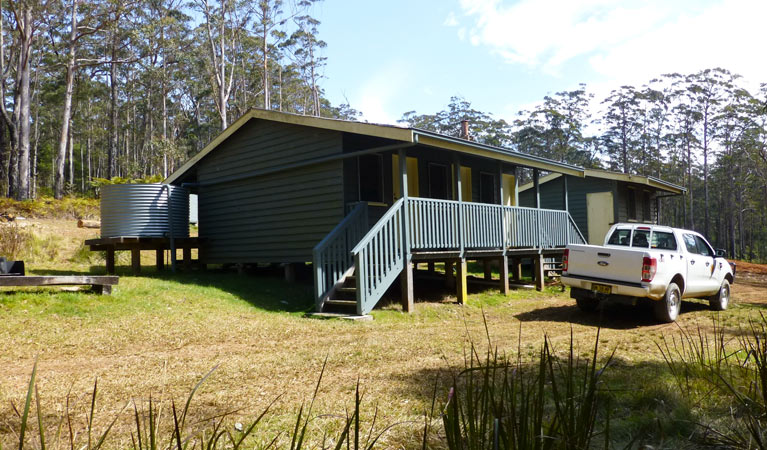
(332, 258)
(376, 270)
(577, 230)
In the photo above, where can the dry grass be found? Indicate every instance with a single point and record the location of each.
(158, 334)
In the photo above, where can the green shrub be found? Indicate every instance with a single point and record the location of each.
(13, 240)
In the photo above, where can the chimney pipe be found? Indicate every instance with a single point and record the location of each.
(465, 129)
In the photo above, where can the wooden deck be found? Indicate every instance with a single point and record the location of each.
(421, 229)
(136, 244)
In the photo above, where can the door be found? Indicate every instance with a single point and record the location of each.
(509, 190)
(412, 176)
(599, 213)
(700, 267)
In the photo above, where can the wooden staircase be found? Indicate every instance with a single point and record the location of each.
(355, 264)
(343, 298)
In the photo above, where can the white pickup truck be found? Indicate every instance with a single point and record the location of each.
(648, 261)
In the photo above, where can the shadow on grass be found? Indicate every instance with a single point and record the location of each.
(610, 315)
(640, 414)
(263, 289)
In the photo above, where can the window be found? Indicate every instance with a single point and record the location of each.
(487, 188)
(690, 244)
(641, 238)
(631, 204)
(663, 240)
(370, 172)
(620, 237)
(438, 181)
(703, 247)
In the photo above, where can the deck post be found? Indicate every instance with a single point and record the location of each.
(449, 275)
(461, 291)
(459, 197)
(290, 272)
(564, 193)
(159, 258)
(539, 272)
(406, 285)
(488, 269)
(537, 186)
(110, 260)
(135, 260)
(430, 267)
(501, 212)
(187, 253)
(504, 271)
(517, 269)
(407, 273)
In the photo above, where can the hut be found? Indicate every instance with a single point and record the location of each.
(601, 198)
(364, 202)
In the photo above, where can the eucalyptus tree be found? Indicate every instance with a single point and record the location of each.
(707, 89)
(27, 19)
(306, 54)
(223, 23)
(557, 128)
(85, 19)
(623, 127)
(483, 127)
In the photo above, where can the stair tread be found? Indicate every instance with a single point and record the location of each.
(336, 301)
(347, 289)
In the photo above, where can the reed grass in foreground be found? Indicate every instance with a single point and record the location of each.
(553, 400)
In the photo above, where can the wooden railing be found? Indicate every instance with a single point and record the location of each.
(432, 225)
(379, 257)
(332, 257)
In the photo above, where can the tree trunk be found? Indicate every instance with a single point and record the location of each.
(58, 186)
(113, 123)
(705, 172)
(22, 191)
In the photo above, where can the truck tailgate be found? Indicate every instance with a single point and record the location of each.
(606, 263)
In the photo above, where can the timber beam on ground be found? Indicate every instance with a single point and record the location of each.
(99, 283)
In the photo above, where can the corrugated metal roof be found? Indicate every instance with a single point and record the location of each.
(395, 133)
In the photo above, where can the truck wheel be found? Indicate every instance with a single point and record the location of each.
(587, 304)
(667, 309)
(721, 299)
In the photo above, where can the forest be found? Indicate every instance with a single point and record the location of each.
(103, 90)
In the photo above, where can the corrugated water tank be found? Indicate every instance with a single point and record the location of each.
(144, 210)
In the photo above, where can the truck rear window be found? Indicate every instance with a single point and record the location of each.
(620, 237)
(663, 240)
(641, 239)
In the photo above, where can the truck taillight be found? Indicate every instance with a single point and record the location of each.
(565, 259)
(649, 268)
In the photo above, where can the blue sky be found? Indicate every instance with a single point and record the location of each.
(389, 57)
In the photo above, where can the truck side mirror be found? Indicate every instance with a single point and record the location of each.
(721, 253)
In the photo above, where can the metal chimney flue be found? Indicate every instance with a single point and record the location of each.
(465, 130)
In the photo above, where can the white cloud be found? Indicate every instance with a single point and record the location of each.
(623, 40)
(376, 96)
(450, 20)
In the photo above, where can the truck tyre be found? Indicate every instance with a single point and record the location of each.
(721, 299)
(667, 308)
(587, 304)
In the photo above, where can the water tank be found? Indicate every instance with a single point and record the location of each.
(144, 210)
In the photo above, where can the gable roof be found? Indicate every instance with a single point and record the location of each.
(395, 133)
(653, 182)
